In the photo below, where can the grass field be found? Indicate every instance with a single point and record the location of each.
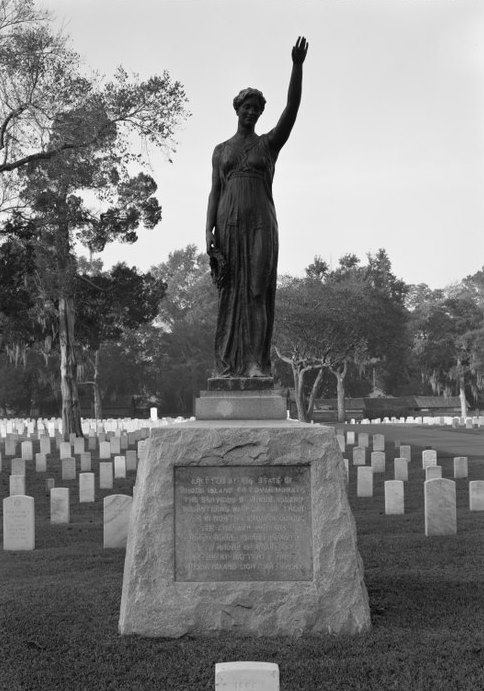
(59, 606)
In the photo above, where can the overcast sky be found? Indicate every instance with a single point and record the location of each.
(388, 148)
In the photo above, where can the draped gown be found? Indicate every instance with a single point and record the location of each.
(247, 238)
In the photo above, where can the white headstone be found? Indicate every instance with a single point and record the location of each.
(10, 447)
(49, 484)
(476, 495)
(104, 449)
(86, 487)
(79, 445)
(119, 467)
(378, 461)
(106, 475)
(92, 443)
(363, 439)
(68, 469)
(27, 450)
(350, 437)
(429, 457)
(115, 443)
(460, 467)
(246, 676)
(124, 441)
(347, 469)
(45, 446)
(406, 452)
(131, 460)
(40, 463)
(401, 469)
(359, 455)
(364, 481)
(59, 505)
(86, 462)
(394, 493)
(433, 471)
(17, 466)
(439, 507)
(65, 449)
(117, 511)
(16, 484)
(18, 523)
(378, 442)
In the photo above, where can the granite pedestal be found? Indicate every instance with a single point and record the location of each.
(242, 526)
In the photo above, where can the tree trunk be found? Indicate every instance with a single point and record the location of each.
(71, 409)
(463, 401)
(299, 394)
(340, 391)
(98, 409)
(314, 391)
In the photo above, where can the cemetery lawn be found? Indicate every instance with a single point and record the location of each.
(59, 606)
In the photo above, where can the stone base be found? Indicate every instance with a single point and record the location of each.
(240, 383)
(240, 405)
(218, 480)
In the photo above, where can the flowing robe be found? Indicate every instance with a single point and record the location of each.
(247, 239)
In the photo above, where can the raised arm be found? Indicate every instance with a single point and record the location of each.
(280, 134)
(213, 200)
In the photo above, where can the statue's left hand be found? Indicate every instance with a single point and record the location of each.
(300, 50)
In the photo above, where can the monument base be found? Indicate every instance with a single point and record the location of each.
(240, 398)
(242, 527)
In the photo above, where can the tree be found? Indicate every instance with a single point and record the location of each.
(110, 303)
(448, 342)
(341, 320)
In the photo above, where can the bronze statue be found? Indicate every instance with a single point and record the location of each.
(241, 234)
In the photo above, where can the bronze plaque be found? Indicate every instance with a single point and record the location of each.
(243, 523)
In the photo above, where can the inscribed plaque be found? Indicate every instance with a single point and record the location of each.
(243, 523)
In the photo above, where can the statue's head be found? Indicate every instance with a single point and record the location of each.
(246, 93)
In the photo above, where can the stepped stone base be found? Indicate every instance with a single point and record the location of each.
(240, 398)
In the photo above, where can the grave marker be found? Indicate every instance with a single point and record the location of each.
(16, 485)
(394, 493)
(433, 471)
(400, 466)
(350, 437)
(68, 469)
(439, 507)
(429, 458)
(79, 446)
(106, 475)
(378, 461)
(86, 487)
(476, 495)
(27, 450)
(117, 511)
(86, 462)
(460, 467)
(104, 449)
(119, 467)
(378, 442)
(359, 455)
(406, 452)
(40, 463)
(364, 481)
(59, 505)
(17, 466)
(18, 523)
(131, 460)
(246, 676)
(364, 439)
(65, 449)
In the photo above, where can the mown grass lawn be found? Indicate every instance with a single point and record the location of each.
(59, 606)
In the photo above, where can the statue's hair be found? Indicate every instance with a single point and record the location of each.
(245, 93)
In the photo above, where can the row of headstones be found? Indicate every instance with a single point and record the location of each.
(122, 465)
(19, 518)
(53, 426)
(107, 474)
(108, 444)
(445, 420)
(401, 463)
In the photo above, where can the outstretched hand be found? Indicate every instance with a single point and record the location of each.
(300, 50)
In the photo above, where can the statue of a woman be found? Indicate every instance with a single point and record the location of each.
(241, 234)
